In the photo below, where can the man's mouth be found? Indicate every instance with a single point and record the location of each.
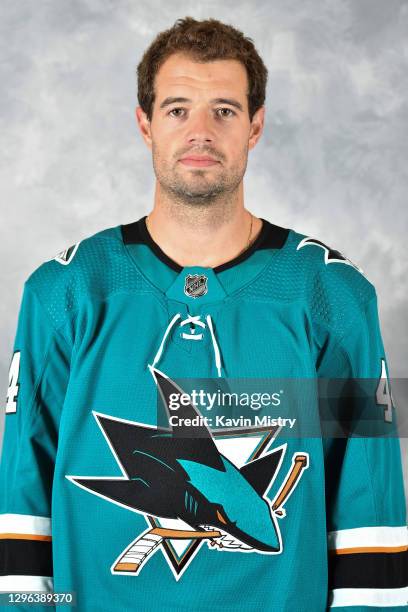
(198, 163)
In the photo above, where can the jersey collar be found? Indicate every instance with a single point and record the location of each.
(270, 237)
(195, 284)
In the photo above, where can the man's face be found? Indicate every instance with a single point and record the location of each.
(200, 110)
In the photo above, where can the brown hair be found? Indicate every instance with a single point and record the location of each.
(203, 41)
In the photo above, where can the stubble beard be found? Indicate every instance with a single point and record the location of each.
(195, 186)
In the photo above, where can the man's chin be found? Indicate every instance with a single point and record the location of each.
(199, 196)
(194, 191)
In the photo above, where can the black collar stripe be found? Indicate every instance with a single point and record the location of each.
(270, 237)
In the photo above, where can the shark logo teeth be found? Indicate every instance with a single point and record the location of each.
(225, 540)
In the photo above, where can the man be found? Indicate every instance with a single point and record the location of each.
(104, 496)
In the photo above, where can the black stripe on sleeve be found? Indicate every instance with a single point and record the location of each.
(368, 570)
(25, 557)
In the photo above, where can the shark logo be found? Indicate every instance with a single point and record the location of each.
(65, 257)
(189, 491)
(330, 255)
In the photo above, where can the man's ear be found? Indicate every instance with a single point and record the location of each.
(144, 126)
(256, 128)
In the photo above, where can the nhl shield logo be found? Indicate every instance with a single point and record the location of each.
(195, 285)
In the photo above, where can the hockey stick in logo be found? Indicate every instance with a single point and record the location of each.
(299, 463)
(140, 549)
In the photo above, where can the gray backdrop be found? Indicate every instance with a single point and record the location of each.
(332, 161)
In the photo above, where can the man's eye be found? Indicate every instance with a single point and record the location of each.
(226, 109)
(175, 109)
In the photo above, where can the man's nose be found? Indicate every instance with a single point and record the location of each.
(200, 127)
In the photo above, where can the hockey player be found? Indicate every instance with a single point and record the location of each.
(100, 496)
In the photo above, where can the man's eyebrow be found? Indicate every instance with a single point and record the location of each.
(172, 100)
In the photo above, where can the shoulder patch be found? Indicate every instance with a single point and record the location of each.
(65, 257)
(330, 255)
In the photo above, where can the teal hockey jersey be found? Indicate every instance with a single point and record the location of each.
(106, 497)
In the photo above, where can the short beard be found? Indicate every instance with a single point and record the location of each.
(198, 192)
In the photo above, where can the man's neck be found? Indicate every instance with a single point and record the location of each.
(205, 236)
